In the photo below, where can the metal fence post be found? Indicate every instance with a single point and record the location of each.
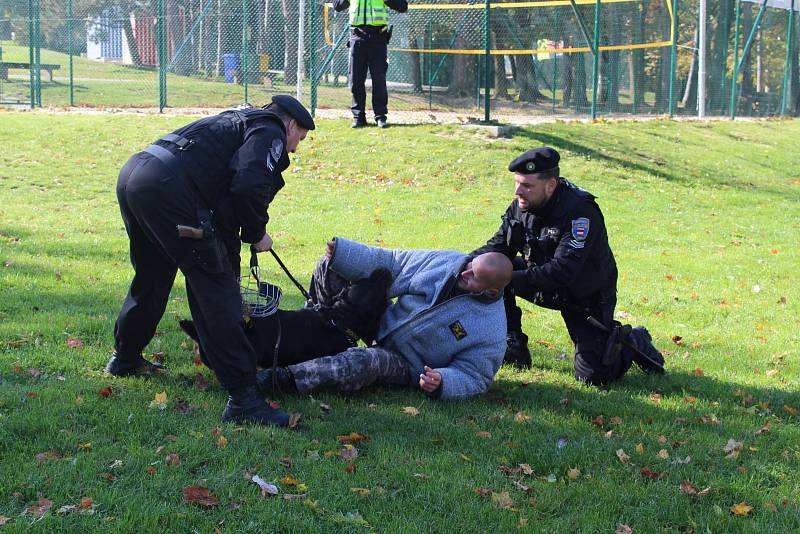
(724, 68)
(245, 48)
(735, 72)
(787, 66)
(31, 66)
(301, 48)
(312, 55)
(37, 21)
(673, 57)
(596, 58)
(69, 49)
(161, 37)
(487, 63)
(430, 62)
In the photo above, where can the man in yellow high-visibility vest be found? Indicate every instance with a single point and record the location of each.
(369, 21)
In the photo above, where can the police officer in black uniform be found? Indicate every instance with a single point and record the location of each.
(187, 200)
(555, 235)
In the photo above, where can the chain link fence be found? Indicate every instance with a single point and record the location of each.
(515, 57)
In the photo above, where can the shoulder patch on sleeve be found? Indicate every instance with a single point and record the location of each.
(275, 152)
(580, 228)
(277, 149)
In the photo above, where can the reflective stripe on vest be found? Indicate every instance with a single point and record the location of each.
(368, 13)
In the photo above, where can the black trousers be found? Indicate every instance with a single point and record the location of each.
(368, 52)
(590, 342)
(153, 201)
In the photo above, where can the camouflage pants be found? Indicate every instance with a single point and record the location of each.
(351, 370)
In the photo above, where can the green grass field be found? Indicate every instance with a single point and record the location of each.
(703, 219)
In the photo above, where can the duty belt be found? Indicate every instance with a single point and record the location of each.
(165, 156)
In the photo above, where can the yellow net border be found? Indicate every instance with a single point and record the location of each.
(515, 5)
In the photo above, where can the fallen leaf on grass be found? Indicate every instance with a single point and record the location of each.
(35, 373)
(741, 509)
(732, 448)
(698, 372)
(573, 473)
(325, 407)
(159, 401)
(651, 474)
(66, 509)
(763, 430)
(75, 343)
(609, 434)
(173, 459)
(150, 470)
(351, 468)
(791, 410)
(286, 462)
(624, 458)
(410, 410)
(31, 394)
(690, 489)
(115, 464)
(681, 461)
(483, 434)
(483, 492)
(294, 496)
(690, 399)
(289, 480)
(222, 442)
(267, 489)
(616, 420)
(678, 340)
(352, 437)
(662, 439)
(663, 454)
(105, 392)
(86, 503)
(527, 469)
(363, 492)
(623, 529)
(87, 445)
(200, 496)
(348, 452)
(108, 476)
(599, 421)
(502, 500)
(39, 509)
(639, 449)
(520, 417)
(46, 456)
(200, 382)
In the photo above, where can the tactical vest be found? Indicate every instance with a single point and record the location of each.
(368, 13)
(214, 141)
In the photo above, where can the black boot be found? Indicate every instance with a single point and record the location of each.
(641, 339)
(118, 366)
(280, 382)
(246, 405)
(517, 353)
(358, 123)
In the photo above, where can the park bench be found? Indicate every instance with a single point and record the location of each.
(47, 67)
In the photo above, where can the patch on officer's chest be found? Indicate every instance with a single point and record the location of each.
(458, 330)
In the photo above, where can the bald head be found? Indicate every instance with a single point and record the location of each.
(489, 272)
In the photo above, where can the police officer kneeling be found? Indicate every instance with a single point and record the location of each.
(188, 200)
(555, 234)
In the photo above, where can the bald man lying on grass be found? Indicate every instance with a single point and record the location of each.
(445, 332)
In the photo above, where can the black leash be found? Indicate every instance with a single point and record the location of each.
(292, 278)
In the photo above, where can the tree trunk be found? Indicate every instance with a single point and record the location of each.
(133, 48)
(526, 80)
(463, 76)
(746, 90)
(689, 100)
(581, 100)
(416, 72)
(500, 81)
(290, 33)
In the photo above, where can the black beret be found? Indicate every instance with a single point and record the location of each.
(535, 161)
(294, 108)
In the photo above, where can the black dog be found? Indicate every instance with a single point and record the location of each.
(309, 333)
